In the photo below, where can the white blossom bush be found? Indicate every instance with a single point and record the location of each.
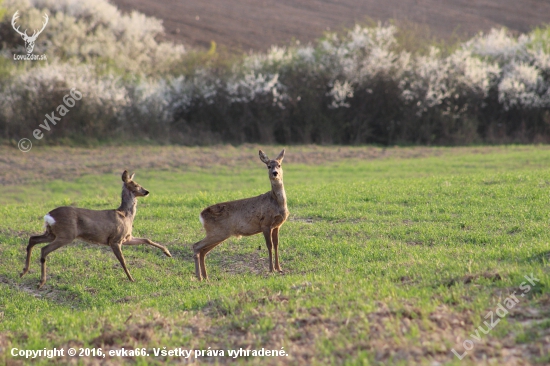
(460, 78)
(360, 57)
(39, 91)
(339, 93)
(499, 45)
(253, 86)
(161, 99)
(357, 87)
(522, 86)
(541, 61)
(96, 32)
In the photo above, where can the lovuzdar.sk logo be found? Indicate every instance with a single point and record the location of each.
(29, 40)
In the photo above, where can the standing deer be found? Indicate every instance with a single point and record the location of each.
(106, 227)
(29, 40)
(262, 214)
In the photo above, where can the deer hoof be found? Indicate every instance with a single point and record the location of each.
(23, 273)
(40, 285)
(167, 253)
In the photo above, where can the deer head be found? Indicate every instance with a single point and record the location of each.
(273, 166)
(133, 187)
(29, 40)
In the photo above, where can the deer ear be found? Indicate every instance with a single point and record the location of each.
(281, 156)
(125, 177)
(263, 157)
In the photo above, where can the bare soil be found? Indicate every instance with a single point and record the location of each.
(256, 25)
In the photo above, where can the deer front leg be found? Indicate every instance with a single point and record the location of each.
(269, 244)
(54, 245)
(116, 247)
(275, 238)
(137, 241)
(33, 240)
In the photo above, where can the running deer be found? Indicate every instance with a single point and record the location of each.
(106, 227)
(262, 214)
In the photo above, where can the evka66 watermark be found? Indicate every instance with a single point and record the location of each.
(29, 40)
(501, 311)
(25, 144)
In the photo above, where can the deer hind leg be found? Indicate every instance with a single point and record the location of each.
(47, 237)
(116, 247)
(203, 254)
(275, 238)
(54, 245)
(269, 244)
(200, 249)
(137, 241)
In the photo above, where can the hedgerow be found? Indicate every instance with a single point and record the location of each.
(357, 87)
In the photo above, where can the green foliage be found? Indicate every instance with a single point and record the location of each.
(6, 69)
(218, 60)
(419, 38)
(540, 39)
(3, 10)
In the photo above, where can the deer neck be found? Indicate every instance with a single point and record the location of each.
(128, 204)
(278, 192)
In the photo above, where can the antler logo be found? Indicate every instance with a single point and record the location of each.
(29, 41)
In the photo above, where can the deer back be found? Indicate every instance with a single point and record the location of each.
(243, 217)
(101, 227)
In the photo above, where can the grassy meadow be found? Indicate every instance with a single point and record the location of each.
(395, 259)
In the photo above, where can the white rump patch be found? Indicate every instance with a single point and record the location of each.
(201, 219)
(48, 220)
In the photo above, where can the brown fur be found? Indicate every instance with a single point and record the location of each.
(262, 214)
(106, 227)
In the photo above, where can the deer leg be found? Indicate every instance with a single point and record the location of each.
(200, 249)
(203, 254)
(137, 241)
(33, 240)
(275, 238)
(269, 244)
(197, 258)
(116, 247)
(54, 245)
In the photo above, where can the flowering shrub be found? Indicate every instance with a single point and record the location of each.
(29, 95)
(357, 87)
(94, 32)
(522, 86)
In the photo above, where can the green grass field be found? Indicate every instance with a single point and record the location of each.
(386, 261)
